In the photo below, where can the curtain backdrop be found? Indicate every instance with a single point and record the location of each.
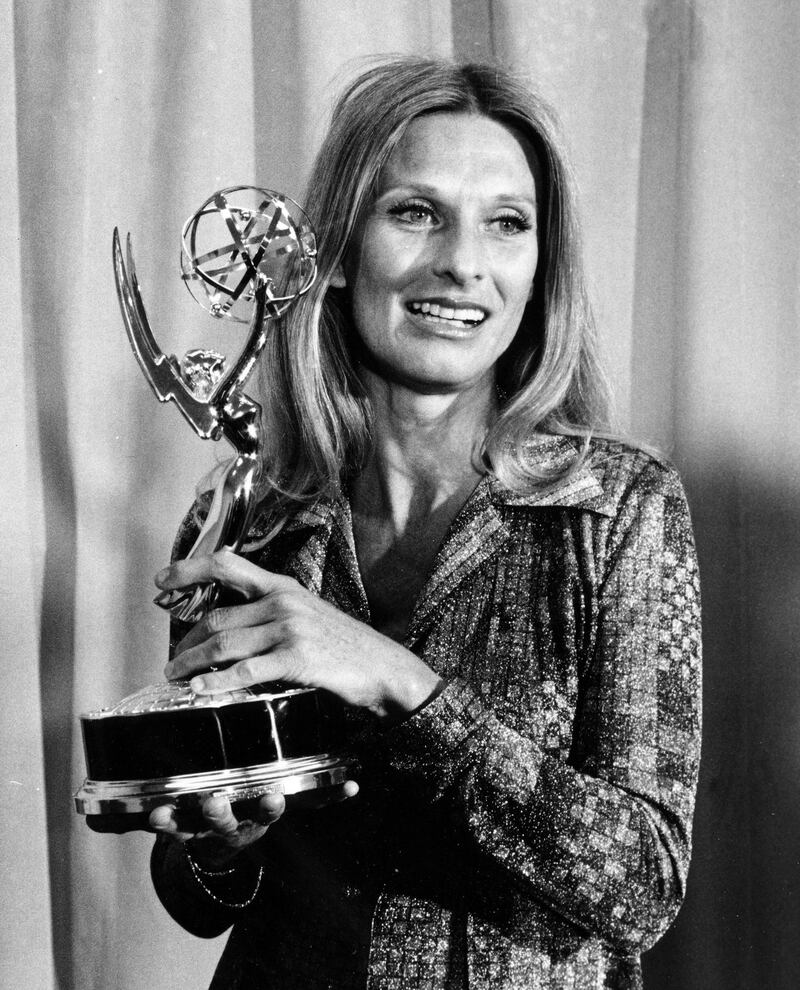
(683, 121)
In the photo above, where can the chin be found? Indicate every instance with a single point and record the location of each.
(430, 373)
(432, 381)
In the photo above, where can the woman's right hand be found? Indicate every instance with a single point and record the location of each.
(216, 849)
(221, 836)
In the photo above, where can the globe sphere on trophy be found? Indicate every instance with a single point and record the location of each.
(248, 254)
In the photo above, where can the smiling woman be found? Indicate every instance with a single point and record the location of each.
(506, 602)
(442, 265)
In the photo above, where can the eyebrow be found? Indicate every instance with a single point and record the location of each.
(434, 192)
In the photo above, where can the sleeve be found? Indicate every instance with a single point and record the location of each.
(604, 838)
(200, 909)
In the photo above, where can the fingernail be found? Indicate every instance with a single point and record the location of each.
(198, 684)
(162, 575)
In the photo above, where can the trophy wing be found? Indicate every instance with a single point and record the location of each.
(160, 370)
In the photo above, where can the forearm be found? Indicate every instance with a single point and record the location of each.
(608, 860)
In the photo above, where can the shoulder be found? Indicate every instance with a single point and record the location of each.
(624, 471)
(645, 503)
(599, 478)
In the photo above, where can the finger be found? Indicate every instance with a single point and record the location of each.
(219, 815)
(254, 613)
(316, 800)
(342, 792)
(270, 808)
(349, 790)
(275, 666)
(163, 817)
(224, 647)
(225, 567)
(255, 815)
(163, 820)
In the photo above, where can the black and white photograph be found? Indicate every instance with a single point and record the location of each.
(401, 486)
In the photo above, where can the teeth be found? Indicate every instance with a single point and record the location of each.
(448, 312)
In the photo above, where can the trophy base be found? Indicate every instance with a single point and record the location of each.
(166, 745)
(188, 791)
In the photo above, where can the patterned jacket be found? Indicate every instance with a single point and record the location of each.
(530, 827)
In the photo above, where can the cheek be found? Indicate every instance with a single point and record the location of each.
(520, 281)
(376, 289)
(370, 280)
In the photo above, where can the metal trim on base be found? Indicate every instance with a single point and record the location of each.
(105, 797)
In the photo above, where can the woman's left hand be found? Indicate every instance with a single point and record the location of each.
(285, 633)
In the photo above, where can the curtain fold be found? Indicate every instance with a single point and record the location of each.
(23, 840)
(683, 121)
(588, 60)
(735, 406)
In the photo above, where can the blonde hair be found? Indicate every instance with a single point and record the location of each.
(316, 415)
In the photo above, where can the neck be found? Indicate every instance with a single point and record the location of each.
(426, 450)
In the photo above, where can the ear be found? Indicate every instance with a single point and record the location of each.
(338, 278)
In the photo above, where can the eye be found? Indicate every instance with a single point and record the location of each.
(511, 223)
(414, 213)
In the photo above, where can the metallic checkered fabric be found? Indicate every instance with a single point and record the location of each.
(530, 827)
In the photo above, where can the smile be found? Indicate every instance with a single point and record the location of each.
(454, 315)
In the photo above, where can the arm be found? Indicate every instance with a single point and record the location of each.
(205, 905)
(604, 839)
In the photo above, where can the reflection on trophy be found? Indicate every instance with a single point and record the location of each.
(248, 253)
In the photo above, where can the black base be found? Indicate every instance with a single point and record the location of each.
(283, 740)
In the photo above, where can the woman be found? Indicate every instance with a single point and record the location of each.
(507, 604)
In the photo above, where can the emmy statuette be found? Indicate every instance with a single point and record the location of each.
(248, 254)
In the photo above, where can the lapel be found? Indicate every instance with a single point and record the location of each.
(479, 530)
(476, 534)
(325, 560)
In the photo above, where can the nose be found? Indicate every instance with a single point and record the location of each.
(459, 254)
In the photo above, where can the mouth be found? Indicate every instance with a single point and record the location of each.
(448, 313)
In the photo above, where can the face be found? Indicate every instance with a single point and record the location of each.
(443, 263)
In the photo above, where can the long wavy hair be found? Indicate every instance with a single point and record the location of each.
(316, 414)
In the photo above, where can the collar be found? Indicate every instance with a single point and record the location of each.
(477, 533)
(581, 489)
